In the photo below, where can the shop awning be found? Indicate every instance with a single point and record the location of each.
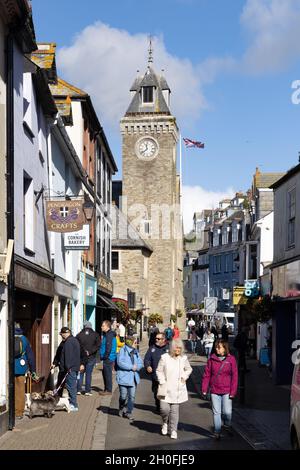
(195, 311)
(105, 302)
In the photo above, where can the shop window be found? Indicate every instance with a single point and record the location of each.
(28, 213)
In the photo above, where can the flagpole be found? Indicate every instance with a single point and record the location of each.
(180, 167)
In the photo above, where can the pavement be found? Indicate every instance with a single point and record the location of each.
(261, 423)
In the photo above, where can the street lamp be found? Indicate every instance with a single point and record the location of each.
(88, 208)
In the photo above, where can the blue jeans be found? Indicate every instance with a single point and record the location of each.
(107, 374)
(71, 385)
(88, 376)
(127, 397)
(221, 405)
(208, 350)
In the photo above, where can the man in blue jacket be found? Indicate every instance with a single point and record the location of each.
(108, 354)
(151, 361)
(129, 363)
(24, 361)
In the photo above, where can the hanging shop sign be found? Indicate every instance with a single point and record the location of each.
(64, 216)
(104, 283)
(78, 240)
(239, 297)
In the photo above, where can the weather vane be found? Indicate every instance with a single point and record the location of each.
(150, 50)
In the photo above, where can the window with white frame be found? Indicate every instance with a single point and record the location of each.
(147, 227)
(98, 159)
(28, 211)
(215, 237)
(224, 236)
(291, 214)
(108, 251)
(27, 102)
(234, 233)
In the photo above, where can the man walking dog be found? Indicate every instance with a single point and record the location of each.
(67, 358)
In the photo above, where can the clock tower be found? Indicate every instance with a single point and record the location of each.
(151, 188)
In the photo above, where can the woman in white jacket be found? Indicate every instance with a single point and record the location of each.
(172, 372)
(208, 341)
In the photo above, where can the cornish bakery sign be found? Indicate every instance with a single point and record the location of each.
(64, 216)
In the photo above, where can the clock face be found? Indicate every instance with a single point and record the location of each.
(147, 148)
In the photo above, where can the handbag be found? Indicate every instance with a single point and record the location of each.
(162, 391)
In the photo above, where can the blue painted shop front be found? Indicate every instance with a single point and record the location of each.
(88, 298)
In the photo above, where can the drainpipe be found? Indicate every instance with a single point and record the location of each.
(10, 226)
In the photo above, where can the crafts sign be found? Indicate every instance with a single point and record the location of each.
(64, 216)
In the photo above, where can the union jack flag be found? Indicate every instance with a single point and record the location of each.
(193, 143)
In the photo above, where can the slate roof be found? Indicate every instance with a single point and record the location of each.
(125, 235)
(265, 180)
(63, 88)
(159, 83)
(44, 57)
(286, 176)
(238, 215)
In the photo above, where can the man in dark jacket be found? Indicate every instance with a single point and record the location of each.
(90, 342)
(152, 334)
(108, 354)
(240, 344)
(151, 361)
(24, 361)
(68, 359)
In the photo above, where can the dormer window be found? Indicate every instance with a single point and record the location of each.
(148, 93)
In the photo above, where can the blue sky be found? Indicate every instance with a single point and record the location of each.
(230, 65)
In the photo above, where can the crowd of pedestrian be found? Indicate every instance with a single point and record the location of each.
(165, 362)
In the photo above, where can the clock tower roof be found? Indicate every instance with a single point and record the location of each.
(151, 94)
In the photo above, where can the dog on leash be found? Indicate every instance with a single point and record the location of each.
(61, 403)
(44, 406)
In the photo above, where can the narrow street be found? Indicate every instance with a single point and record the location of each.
(194, 430)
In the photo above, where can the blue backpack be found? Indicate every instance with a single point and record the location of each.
(169, 333)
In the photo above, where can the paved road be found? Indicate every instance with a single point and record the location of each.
(194, 430)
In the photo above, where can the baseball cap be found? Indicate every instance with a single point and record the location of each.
(65, 329)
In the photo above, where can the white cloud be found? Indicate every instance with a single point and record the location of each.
(196, 198)
(273, 26)
(103, 61)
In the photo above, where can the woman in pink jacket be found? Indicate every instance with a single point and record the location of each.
(221, 377)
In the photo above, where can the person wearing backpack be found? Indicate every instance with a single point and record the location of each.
(168, 333)
(24, 362)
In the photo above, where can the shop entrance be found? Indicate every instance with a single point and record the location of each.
(33, 312)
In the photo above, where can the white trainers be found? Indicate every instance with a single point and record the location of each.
(164, 429)
(173, 435)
